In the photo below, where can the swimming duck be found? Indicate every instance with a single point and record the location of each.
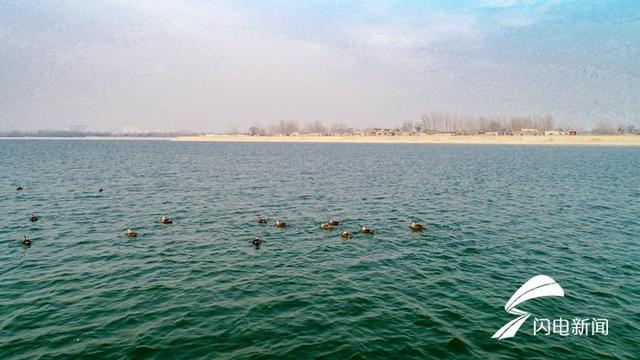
(346, 235)
(366, 230)
(326, 226)
(19, 188)
(33, 218)
(334, 222)
(417, 227)
(100, 190)
(280, 224)
(256, 242)
(262, 220)
(26, 241)
(165, 220)
(131, 233)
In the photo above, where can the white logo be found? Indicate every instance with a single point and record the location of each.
(537, 286)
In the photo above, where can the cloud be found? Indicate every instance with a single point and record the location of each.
(503, 4)
(174, 64)
(417, 34)
(517, 20)
(518, 13)
(499, 3)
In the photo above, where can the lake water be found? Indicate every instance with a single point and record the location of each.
(497, 216)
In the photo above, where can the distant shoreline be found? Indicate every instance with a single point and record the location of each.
(83, 138)
(576, 140)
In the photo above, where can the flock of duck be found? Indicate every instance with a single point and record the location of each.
(257, 241)
(331, 225)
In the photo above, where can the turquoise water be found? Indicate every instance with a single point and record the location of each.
(497, 215)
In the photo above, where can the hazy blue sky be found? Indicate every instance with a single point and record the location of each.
(213, 65)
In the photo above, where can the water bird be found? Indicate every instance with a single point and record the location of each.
(131, 233)
(33, 218)
(366, 230)
(100, 190)
(346, 235)
(417, 227)
(26, 241)
(326, 226)
(19, 188)
(262, 220)
(334, 222)
(280, 223)
(165, 220)
(257, 241)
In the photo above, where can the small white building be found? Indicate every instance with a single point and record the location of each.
(555, 133)
(527, 132)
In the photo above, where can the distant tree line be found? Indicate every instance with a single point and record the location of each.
(444, 122)
(465, 124)
(289, 127)
(608, 128)
(81, 134)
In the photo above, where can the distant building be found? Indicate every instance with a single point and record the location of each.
(527, 132)
(555, 133)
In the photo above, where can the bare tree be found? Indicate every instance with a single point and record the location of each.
(339, 128)
(287, 127)
(604, 128)
(316, 128)
(547, 123)
(257, 131)
(520, 122)
(408, 126)
(496, 124)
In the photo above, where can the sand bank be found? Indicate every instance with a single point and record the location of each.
(600, 140)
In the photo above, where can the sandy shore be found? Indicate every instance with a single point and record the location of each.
(600, 140)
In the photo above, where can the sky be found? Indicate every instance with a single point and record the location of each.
(216, 66)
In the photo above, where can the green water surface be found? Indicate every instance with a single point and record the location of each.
(497, 216)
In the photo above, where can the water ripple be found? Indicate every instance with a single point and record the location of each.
(198, 289)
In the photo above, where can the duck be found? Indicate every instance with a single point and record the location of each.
(326, 226)
(165, 220)
(257, 241)
(131, 233)
(334, 222)
(262, 220)
(366, 230)
(19, 188)
(26, 241)
(100, 190)
(280, 224)
(33, 218)
(417, 227)
(346, 235)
